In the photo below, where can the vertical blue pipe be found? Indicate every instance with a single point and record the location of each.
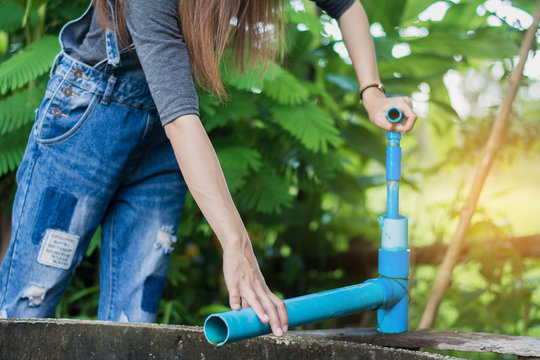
(394, 255)
(392, 199)
(393, 169)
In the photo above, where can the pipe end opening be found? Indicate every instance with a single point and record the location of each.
(394, 115)
(216, 330)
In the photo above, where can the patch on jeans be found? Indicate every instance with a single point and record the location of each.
(152, 290)
(3, 314)
(58, 249)
(55, 212)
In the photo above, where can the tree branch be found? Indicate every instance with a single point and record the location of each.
(490, 150)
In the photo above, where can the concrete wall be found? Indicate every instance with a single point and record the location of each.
(74, 340)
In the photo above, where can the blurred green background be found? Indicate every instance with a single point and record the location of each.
(306, 168)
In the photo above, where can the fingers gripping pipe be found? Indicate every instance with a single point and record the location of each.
(388, 293)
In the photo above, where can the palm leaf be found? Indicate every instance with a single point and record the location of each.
(19, 109)
(252, 78)
(313, 127)
(28, 64)
(247, 80)
(266, 192)
(285, 89)
(12, 149)
(241, 106)
(237, 162)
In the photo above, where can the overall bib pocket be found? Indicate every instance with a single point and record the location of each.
(64, 113)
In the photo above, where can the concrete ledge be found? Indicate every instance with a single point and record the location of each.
(71, 339)
(523, 346)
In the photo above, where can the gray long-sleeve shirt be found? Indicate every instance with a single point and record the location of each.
(162, 53)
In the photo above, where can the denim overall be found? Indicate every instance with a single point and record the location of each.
(97, 154)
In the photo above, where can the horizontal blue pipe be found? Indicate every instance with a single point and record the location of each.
(235, 325)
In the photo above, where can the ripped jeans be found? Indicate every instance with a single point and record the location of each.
(97, 154)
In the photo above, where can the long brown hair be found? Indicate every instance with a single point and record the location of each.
(252, 29)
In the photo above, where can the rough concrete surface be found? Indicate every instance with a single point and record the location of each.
(523, 346)
(72, 339)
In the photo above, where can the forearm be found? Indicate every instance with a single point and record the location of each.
(204, 177)
(354, 27)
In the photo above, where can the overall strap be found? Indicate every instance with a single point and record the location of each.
(113, 57)
(113, 54)
(113, 60)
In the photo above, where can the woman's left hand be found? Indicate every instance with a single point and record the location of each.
(377, 104)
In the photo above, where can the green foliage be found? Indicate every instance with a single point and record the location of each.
(386, 12)
(219, 116)
(312, 22)
(31, 5)
(309, 124)
(286, 89)
(238, 162)
(12, 149)
(19, 109)
(412, 9)
(270, 193)
(28, 63)
(11, 16)
(21, 76)
(484, 43)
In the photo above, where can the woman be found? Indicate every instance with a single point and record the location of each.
(100, 151)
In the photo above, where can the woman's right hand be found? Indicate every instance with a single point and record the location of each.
(377, 104)
(247, 287)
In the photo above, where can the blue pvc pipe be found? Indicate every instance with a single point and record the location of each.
(393, 159)
(394, 255)
(388, 293)
(393, 167)
(394, 233)
(394, 115)
(235, 325)
(394, 264)
(392, 199)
